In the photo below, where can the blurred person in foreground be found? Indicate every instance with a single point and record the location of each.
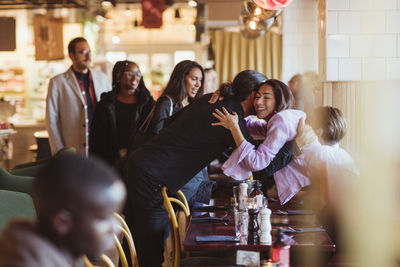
(337, 169)
(75, 199)
(300, 86)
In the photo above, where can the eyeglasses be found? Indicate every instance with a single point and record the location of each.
(131, 74)
(85, 52)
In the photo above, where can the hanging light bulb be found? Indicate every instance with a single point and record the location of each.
(251, 8)
(115, 39)
(252, 25)
(106, 4)
(192, 3)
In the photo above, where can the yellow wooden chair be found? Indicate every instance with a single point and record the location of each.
(174, 226)
(123, 227)
(128, 236)
(178, 260)
(104, 258)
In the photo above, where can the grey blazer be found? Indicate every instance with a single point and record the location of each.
(66, 112)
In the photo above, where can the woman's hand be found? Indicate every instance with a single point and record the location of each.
(229, 121)
(215, 96)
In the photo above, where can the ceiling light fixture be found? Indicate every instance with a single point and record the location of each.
(106, 4)
(192, 3)
(115, 39)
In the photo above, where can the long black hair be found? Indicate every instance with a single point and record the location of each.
(244, 83)
(176, 85)
(141, 91)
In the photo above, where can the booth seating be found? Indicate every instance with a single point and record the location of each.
(15, 204)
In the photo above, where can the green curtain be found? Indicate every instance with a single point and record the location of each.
(234, 53)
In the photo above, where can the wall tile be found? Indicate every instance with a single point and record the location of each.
(393, 69)
(332, 65)
(332, 22)
(337, 46)
(290, 27)
(349, 22)
(373, 69)
(398, 45)
(393, 22)
(337, 4)
(349, 69)
(373, 22)
(360, 4)
(384, 5)
(361, 45)
(384, 45)
(291, 51)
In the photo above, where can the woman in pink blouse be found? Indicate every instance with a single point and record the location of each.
(277, 122)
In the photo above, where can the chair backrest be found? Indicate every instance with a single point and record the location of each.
(15, 183)
(33, 168)
(174, 226)
(15, 204)
(104, 258)
(123, 227)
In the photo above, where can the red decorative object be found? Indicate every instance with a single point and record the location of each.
(273, 4)
(152, 13)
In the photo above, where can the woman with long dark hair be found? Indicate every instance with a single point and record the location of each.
(185, 85)
(120, 112)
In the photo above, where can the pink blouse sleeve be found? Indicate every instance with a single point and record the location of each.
(256, 127)
(281, 128)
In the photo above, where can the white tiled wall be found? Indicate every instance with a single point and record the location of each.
(363, 40)
(300, 38)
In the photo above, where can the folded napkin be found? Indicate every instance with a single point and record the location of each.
(216, 238)
(209, 208)
(303, 230)
(294, 212)
(210, 219)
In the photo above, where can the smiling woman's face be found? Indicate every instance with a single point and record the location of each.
(130, 78)
(264, 102)
(193, 82)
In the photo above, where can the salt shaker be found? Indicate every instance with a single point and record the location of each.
(265, 227)
(243, 195)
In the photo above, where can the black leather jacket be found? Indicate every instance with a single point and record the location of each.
(103, 134)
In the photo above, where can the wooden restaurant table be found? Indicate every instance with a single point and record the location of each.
(311, 244)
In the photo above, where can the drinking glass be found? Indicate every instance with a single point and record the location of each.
(235, 198)
(241, 223)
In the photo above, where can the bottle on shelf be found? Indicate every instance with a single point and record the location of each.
(280, 250)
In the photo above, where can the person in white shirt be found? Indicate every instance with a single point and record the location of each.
(337, 171)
